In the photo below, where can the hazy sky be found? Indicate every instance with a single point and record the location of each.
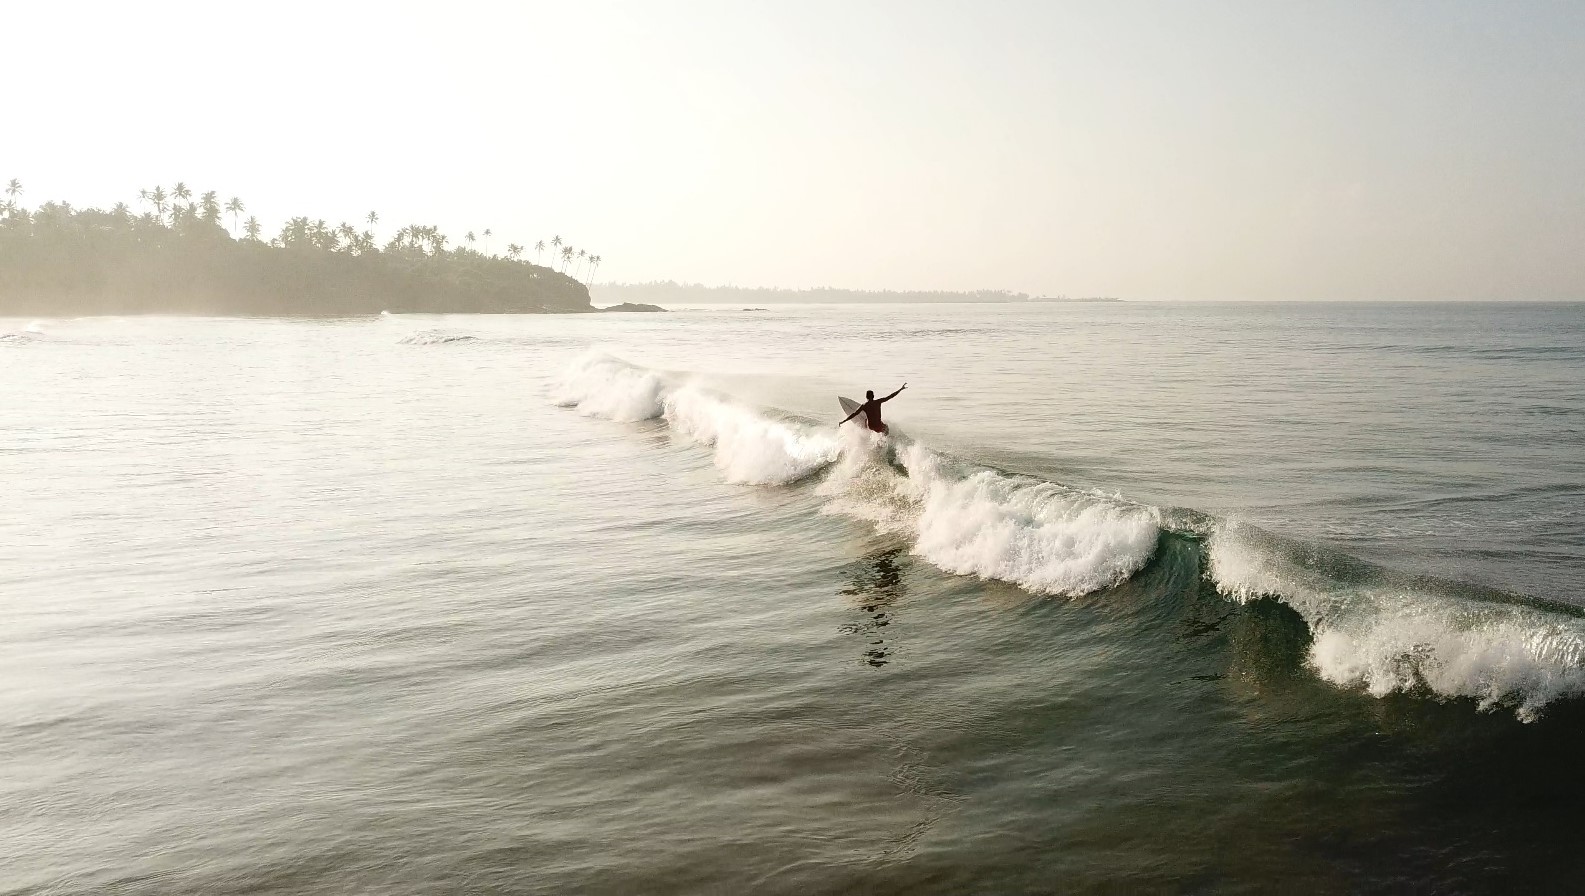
(1167, 150)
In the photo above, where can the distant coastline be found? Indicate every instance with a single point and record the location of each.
(178, 257)
(673, 293)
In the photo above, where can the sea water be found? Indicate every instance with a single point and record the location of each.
(1135, 597)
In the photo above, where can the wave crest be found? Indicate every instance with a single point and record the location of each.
(1406, 638)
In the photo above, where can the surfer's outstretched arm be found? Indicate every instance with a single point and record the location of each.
(852, 415)
(897, 393)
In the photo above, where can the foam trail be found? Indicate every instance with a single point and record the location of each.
(1386, 639)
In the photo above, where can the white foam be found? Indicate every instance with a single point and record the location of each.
(749, 448)
(1402, 639)
(34, 327)
(600, 385)
(1044, 537)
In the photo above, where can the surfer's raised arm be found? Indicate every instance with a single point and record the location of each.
(855, 413)
(894, 394)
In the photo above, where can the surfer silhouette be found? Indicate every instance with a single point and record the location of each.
(871, 409)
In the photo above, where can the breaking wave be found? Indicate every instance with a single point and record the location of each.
(1385, 633)
(1370, 629)
(1038, 535)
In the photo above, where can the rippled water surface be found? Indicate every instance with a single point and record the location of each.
(1136, 597)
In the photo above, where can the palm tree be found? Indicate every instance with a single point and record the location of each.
(594, 265)
(252, 228)
(14, 189)
(555, 247)
(120, 210)
(513, 250)
(487, 241)
(181, 192)
(211, 206)
(235, 207)
(566, 256)
(469, 237)
(539, 249)
(143, 195)
(158, 197)
(373, 218)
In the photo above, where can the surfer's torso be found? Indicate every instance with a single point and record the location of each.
(872, 416)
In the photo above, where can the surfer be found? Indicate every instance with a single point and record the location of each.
(871, 409)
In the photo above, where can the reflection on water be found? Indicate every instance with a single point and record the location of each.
(877, 582)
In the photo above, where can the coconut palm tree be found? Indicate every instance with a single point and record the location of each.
(235, 207)
(159, 199)
(120, 210)
(469, 237)
(555, 246)
(594, 265)
(487, 233)
(252, 228)
(210, 203)
(14, 189)
(513, 250)
(539, 249)
(566, 257)
(181, 192)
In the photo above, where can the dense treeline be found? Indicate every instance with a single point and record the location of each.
(179, 258)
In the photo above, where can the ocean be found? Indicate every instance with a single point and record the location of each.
(1162, 598)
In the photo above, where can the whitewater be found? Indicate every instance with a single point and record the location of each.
(1134, 598)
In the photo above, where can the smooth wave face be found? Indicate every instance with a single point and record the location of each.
(1051, 539)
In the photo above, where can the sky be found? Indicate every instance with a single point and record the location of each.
(1172, 151)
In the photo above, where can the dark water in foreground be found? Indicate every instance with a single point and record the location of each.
(1139, 598)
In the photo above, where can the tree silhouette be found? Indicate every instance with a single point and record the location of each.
(181, 192)
(159, 199)
(252, 228)
(14, 189)
(235, 207)
(210, 203)
(487, 240)
(539, 249)
(513, 250)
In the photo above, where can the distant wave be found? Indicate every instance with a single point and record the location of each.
(1370, 628)
(436, 337)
